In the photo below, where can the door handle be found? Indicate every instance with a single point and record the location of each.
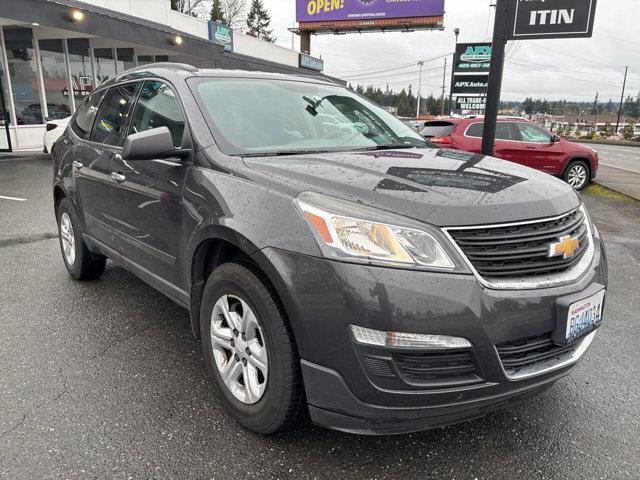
(530, 147)
(118, 177)
(77, 165)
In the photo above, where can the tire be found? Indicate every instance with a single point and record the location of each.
(81, 263)
(267, 403)
(577, 175)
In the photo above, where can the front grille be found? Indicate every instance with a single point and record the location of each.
(528, 352)
(439, 368)
(513, 251)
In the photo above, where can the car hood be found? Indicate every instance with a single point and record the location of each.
(440, 186)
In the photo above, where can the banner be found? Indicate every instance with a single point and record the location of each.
(337, 10)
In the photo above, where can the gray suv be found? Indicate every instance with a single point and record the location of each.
(336, 265)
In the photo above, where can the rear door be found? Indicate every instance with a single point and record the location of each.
(539, 151)
(506, 145)
(106, 112)
(149, 198)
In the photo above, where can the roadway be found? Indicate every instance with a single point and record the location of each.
(103, 380)
(619, 168)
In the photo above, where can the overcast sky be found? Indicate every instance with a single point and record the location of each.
(572, 69)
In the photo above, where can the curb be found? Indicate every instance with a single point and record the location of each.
(614, 191)
(608, 142)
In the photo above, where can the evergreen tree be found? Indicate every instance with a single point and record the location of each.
(258, 22)
(217, 15)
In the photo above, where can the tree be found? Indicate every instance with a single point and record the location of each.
(189, 7)
(234, 11)
(217, 14)
(258, 22)
(607, 130)
(628, 131)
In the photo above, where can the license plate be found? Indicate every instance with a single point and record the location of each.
(584, 316)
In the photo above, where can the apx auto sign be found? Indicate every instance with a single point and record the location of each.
(470, 85)
(552, 19)
(473, 58)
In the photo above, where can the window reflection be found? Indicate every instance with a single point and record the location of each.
(80, 66)
(125, 59)
(22, 73)
(54, 73)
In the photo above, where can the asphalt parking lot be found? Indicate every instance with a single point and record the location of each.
(104, 380)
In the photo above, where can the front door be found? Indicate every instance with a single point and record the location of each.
(540, 152)
(99, 124)
(149, 198)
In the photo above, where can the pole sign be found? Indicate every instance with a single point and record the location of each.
(538, 19)
(470, 85)
(467, 103)
(472, 58)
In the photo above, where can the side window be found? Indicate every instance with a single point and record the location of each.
(158, 107)
(504, 131)
(112, 115)
(83, 121)
(533, 134)
(475, 130)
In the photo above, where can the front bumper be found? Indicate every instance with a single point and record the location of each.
(347, 390)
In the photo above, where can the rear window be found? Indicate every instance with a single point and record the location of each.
(437, 129)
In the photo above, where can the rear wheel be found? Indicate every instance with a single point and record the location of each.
(577, 175)
(249, 349)
(80, 262)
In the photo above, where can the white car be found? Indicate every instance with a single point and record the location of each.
(55, 129)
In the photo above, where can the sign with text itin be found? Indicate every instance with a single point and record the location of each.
(532, 19)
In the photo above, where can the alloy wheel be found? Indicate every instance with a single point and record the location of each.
(68, 239)
(577, 176)
(239, 349)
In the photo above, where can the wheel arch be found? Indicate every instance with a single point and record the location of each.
(578, 158)
(217, 246)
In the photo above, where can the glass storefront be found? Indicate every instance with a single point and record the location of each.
(21, 60)
(54, 74)
(46, 78)
(80, 67)
(125, 59)
(105, 64)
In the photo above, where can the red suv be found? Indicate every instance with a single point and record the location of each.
(519, 141)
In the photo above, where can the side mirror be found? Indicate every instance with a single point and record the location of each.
(555, 138)
(151, 144)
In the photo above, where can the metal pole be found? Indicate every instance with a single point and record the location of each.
(453, 70)
(444, 79)
(595, 122)
(624, 86)
(419, 87)
(495, 76)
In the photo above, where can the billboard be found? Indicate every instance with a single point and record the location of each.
(221, 34)
(349, 10)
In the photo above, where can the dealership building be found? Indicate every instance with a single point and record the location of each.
(53, 53)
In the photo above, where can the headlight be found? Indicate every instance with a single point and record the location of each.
(352, 232)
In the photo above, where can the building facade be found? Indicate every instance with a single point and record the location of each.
(53, 53)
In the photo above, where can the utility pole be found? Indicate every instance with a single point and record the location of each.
(453, 70)
(421, 63)
(624, 86)
(595, 121)
(495, 76)
(444, 80)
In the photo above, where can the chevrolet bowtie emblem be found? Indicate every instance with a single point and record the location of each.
(566, 247)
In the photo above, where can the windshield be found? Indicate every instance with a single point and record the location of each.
(263, 116)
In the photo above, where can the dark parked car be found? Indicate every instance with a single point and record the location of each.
(334, 263)
(520, 141)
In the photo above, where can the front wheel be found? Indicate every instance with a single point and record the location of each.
(577, 175)
(249, 349)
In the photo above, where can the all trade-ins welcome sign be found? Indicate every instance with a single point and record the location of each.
(339, 10)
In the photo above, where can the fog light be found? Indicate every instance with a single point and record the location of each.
(407, 340)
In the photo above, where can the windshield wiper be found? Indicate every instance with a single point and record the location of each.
(282, 153)
(392, 146)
